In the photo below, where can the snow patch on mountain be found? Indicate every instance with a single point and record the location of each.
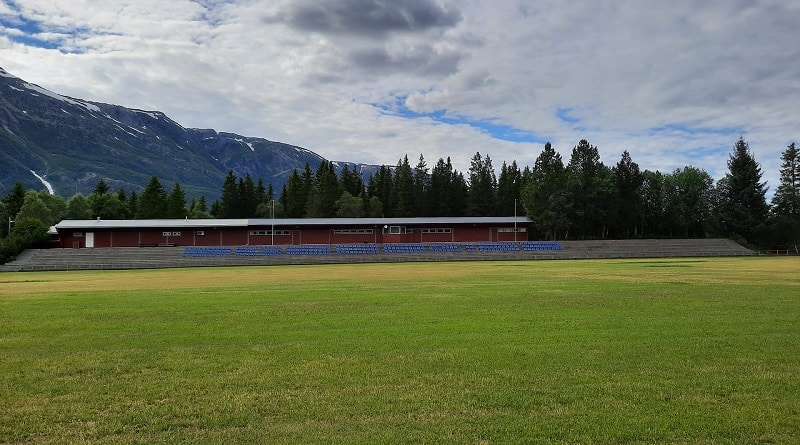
(47, 93)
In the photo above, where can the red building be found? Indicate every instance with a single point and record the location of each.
(236, 232)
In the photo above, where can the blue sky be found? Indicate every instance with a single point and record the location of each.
(673, 83)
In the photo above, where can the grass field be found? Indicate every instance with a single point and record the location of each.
(683, 351)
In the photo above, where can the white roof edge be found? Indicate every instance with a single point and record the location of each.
(86, 224)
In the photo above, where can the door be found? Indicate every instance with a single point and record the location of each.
(90, 239)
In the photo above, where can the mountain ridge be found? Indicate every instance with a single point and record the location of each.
(67, 145)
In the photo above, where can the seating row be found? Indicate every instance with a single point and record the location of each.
(444, 247)
(498, 247)
(258, 250)
(367, 248)
(309, 249)
(404, 248)
(347, 249)
(541, 245)
(204, 251)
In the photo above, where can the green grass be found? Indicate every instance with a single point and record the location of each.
(683, 351)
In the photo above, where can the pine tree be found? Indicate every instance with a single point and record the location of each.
(248, 200)
(786, 201)
(403, 189)
(629, 181)
(101, 188)
(482, 186)
(15, 199)
(422, 181)
(591, 187)
(230, 201)
(153, 202)
(785, 225)
(509, 187)
(743, 207)
(324, 192)
(380, 186)
(176, 203)
(544, 195)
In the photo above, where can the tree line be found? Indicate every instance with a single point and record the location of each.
(581, 198)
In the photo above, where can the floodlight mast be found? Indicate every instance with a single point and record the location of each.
(273, 222)
(515, 220)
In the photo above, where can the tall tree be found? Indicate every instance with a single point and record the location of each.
(545, 196)
(230, 200)
(403, 190)
(654, 201)
(248, 198)
(689, 202)
(324, 192)
(78, 207)
(785, 225)
(294, 196)
(743, 207)
(509, 188)
(592, 189)
(482, 186)
(629, 180)
(15, 199)
(176, 203)
(422, 181)
(351, 181)
(380, 186)
(786, 201)
(153, 202)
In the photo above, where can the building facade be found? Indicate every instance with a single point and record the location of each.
(235, 232)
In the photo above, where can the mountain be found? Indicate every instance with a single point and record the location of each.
(68, 145)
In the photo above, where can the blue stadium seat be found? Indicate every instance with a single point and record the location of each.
(444, 247)
(541, 245)
(404, 248)
(308, 249)
(356, 249)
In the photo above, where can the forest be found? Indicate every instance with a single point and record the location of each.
(581, 198)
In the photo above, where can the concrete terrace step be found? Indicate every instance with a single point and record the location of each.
(168, 257)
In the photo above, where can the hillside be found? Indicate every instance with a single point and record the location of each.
(67, 144)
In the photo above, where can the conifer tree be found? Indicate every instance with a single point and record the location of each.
(629, 181)
(786, 201)
(153, 202)
(403, 189)
(785, 225)
(509, 187)
(176, 203)
(482, 186)
(545, 196)
(230, 201)
(743, 207)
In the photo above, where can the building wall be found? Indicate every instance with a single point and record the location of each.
(228, 236)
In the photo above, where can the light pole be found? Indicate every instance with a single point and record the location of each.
(515, 220)
(273, 222)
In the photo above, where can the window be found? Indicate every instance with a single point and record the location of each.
(353, 232)
(269, 232)
(438, 230)
(171, 233)
(77, 234)
(511, 230)
(397, 230)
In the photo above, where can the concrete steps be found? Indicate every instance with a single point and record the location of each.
(167, 257)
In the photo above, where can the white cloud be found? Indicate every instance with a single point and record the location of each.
(674, 83)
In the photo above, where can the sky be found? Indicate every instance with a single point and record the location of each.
(675, 83)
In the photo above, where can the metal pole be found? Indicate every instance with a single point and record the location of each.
(515, 220)
(273, 222)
